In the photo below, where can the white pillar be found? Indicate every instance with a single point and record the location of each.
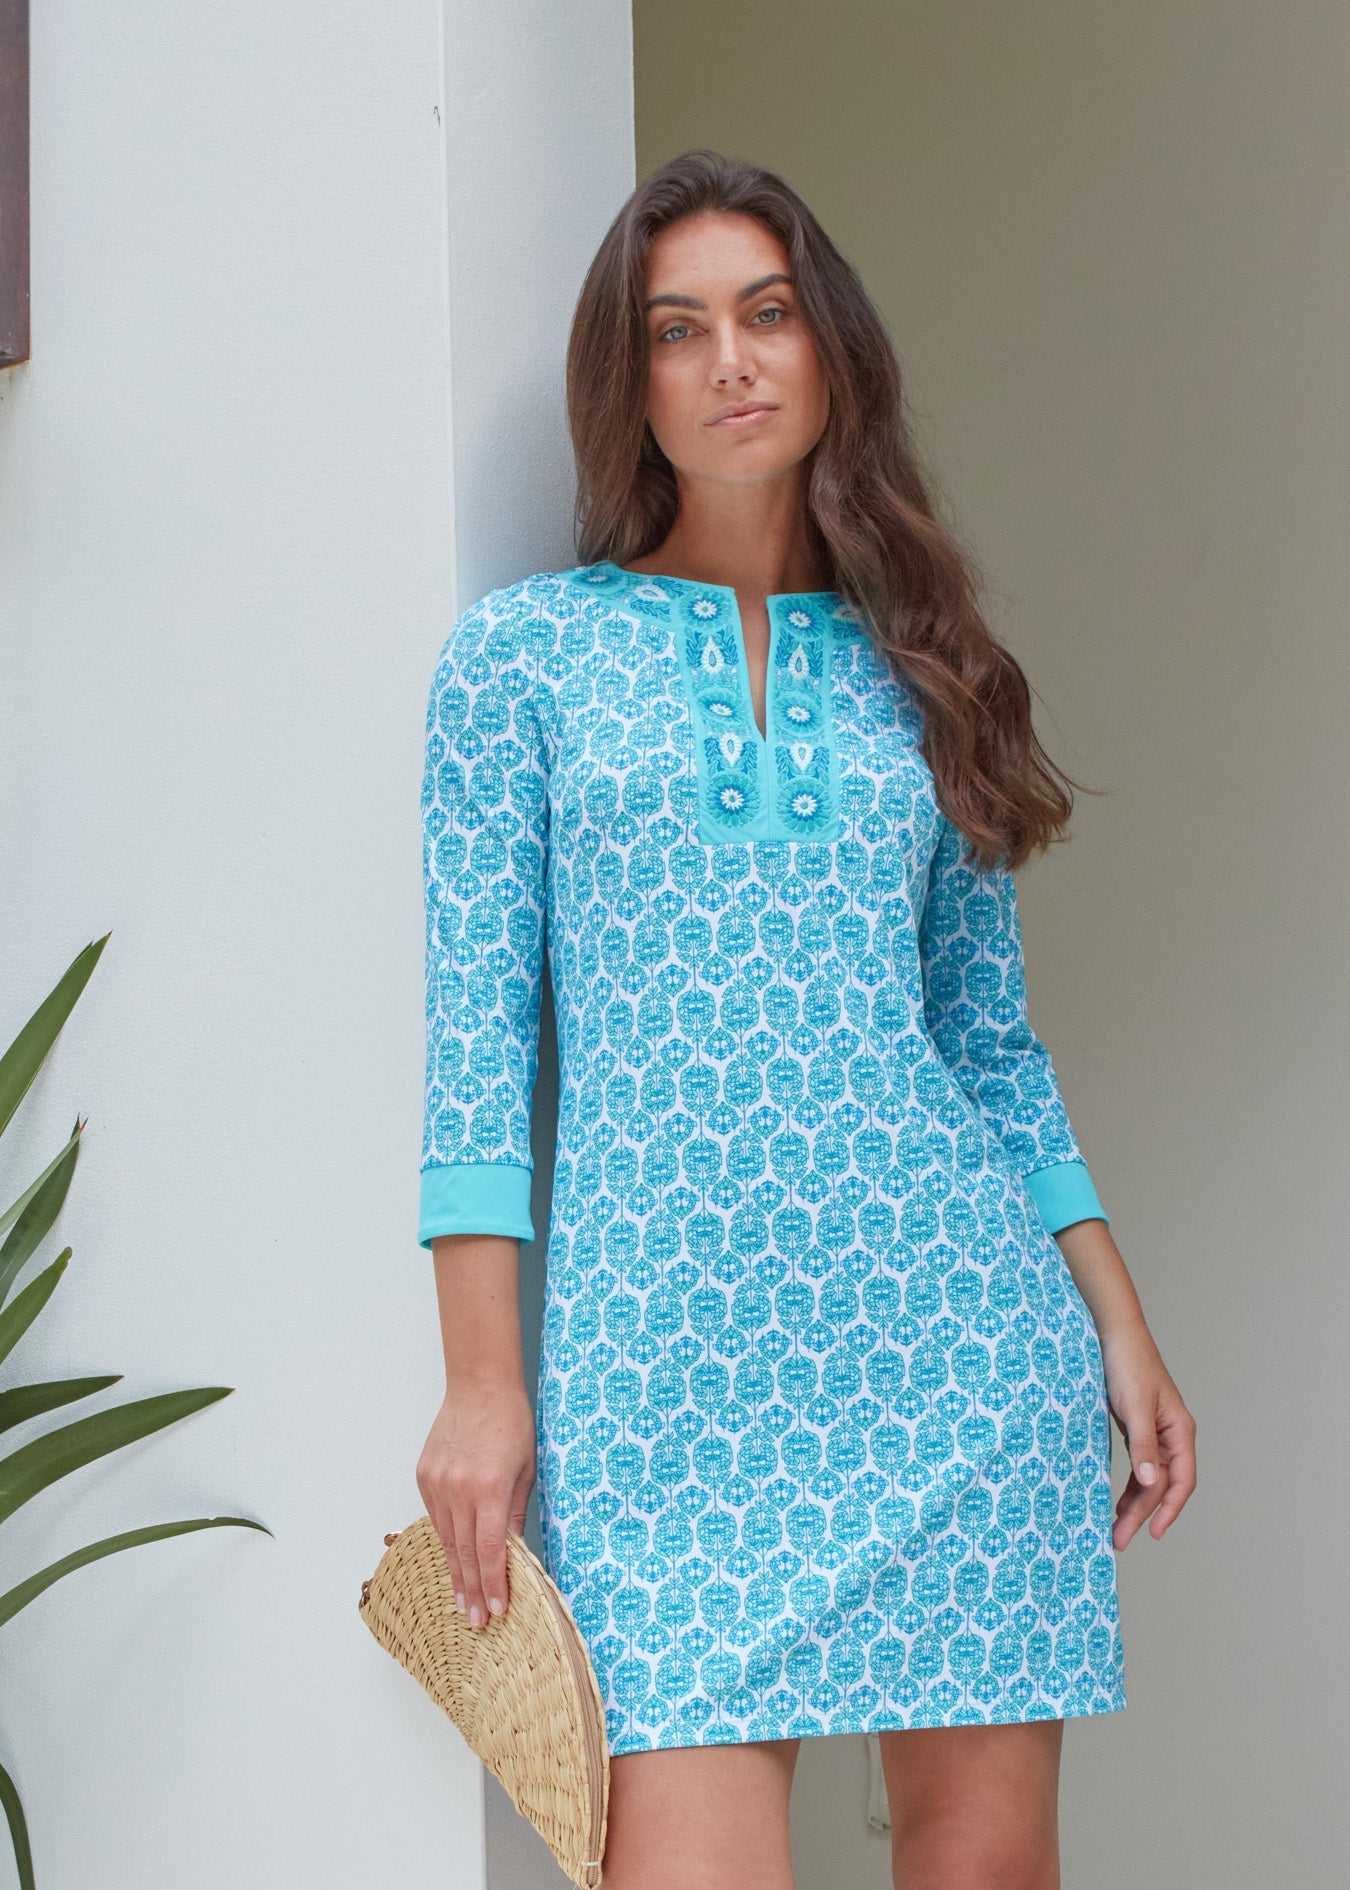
(539, 121)
(234, 524)
(539, 157)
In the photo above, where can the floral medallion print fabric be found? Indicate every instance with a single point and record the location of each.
(823, 1442)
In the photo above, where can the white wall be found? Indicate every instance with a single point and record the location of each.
(540, 109)
(236, 516)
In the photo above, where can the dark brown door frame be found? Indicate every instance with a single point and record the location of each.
(14, 330)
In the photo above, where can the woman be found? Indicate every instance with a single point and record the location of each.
(834, 1322)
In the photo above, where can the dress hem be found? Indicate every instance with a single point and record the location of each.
(1117, 1705)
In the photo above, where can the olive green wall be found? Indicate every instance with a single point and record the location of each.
(1113, 246)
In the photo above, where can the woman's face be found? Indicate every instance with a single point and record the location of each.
(725, 331)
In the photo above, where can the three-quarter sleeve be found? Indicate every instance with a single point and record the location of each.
(970, 944)
(485, 862)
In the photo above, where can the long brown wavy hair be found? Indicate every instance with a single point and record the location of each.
(876, 528)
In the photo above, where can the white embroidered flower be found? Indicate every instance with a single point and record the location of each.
(704, 607)
(799, 619)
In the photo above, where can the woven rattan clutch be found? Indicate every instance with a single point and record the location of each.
(521, 1689)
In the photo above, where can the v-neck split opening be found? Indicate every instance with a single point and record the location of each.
(824, 597)
(779, 783)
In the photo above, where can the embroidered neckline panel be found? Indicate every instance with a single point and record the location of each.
(782, 785)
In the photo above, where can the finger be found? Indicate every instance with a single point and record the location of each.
(466, 1535)
(492, 1516)
(1148, 1480)
(1179, 1446)
(520, 1501)
(515, 1523)
(1146, 1497)
(1141, 1436)
(1132, 1509)
(1131, 1512)
(442, 1521)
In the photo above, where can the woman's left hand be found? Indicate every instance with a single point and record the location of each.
(1158, 1429)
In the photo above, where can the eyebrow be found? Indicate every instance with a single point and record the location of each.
(671, 300)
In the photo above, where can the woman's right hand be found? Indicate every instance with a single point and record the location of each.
(475, 1475)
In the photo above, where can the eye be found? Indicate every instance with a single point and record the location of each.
(771, 308)
(665, 332)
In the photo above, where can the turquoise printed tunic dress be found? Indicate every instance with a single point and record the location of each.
(823, 1440)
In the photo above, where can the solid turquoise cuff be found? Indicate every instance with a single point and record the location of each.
(475, 1198)
(1064, 1193)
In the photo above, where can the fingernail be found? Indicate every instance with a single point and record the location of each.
(459, 1601)
(496, 1604)
(475, 1616)
(1147, 1472)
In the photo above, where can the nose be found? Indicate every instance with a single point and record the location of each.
(733, 357)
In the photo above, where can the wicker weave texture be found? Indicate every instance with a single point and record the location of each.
(514, 1688)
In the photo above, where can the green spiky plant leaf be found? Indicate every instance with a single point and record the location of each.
(28, 1052)
(23, 1592)
(22, 1402)
(34, 1221)
(45, 1460)
(18, 1830)
(30, 1196)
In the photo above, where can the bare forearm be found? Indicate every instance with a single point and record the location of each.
(477, 1465)
(1101, 1276)
(477, 1291)
(1142, 1395)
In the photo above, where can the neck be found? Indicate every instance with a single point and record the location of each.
(756, 556)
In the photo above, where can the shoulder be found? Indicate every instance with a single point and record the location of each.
(512, 628)
(875, 674)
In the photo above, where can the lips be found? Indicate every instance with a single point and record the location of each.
(749, 411)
